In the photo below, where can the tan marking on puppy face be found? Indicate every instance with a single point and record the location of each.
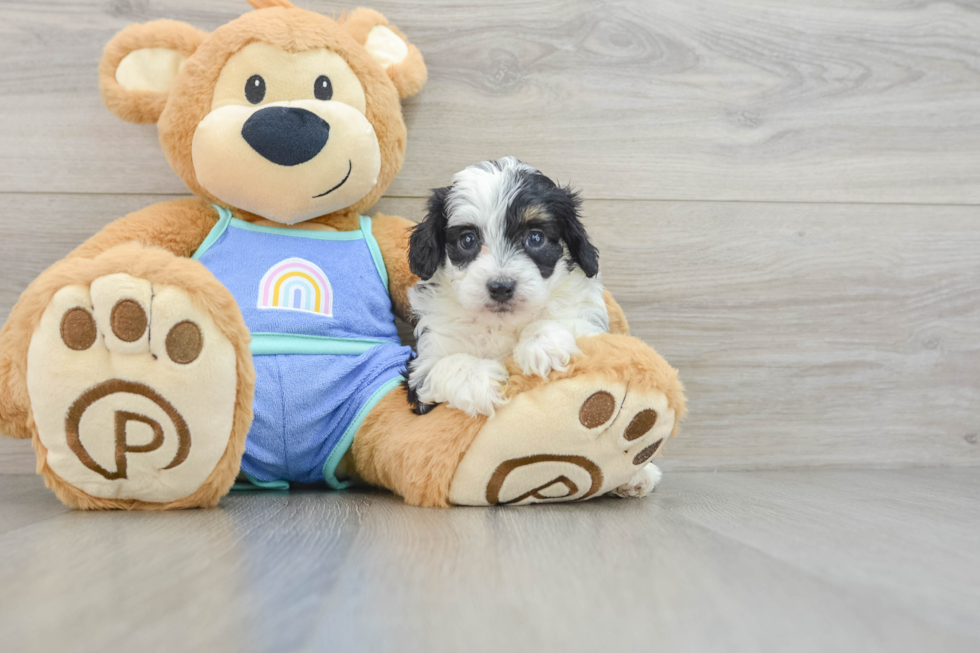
(536, 213)
(304, 152)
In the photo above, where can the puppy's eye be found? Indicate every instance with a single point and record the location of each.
(468, 241)
(255, 89)
(535, 239)
(322, 88)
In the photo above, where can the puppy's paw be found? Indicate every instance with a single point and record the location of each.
(641, 484)
(419, 407)
(545, 346)
(470, 384)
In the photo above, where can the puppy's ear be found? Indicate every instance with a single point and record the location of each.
(567, 211)
(427, 246)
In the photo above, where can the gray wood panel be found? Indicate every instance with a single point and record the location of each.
(361, 571)
(16, 456)
(849, 100)
(807, 335)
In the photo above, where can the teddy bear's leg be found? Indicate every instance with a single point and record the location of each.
(414, 456)
(139, 380)
(585, 432)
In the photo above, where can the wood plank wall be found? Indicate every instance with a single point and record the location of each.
(786, 195)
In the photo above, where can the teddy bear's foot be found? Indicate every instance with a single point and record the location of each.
(567, 440)
(133, 390)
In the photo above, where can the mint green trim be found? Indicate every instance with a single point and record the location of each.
(297, 233)
(227, 220)
(372, 244)
(219, 228)
(255, 484)
(269, 344)
(330, 467)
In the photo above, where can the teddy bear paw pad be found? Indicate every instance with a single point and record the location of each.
(565, 441)
(133, 389)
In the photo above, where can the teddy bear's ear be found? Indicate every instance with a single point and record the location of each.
(139, 66)
(389, 47)
(267, 4)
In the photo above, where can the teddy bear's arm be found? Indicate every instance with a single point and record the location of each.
(392, 234)
(617, 319)
(178, 226)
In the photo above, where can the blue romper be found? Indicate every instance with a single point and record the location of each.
(324, 340)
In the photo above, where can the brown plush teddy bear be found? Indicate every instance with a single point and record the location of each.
(250, 329)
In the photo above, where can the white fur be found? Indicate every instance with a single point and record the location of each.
(459, 324)
(473, 385)
(642, 483)
(545, 345)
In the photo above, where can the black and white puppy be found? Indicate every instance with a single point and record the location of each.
(506, 268)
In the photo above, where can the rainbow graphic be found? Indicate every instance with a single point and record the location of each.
(296, 285)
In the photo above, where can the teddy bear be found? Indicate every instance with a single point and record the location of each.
(248, 332)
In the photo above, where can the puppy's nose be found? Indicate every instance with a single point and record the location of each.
(285, 135)
(501, 290)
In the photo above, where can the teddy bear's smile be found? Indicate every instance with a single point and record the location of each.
(350, 167)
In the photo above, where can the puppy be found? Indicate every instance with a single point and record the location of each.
(506, 267)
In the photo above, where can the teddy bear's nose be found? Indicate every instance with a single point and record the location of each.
(285, 135)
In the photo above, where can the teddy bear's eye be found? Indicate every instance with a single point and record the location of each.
(255, 89)
(322, 88)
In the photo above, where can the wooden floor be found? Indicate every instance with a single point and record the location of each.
(786, 196)
(883, 560)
